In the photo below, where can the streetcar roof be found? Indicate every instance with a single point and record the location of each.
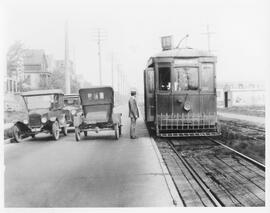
(183, 52)
(42, 92)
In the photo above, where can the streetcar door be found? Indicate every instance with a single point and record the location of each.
(149, 94)
(207, 89)
(164, 89)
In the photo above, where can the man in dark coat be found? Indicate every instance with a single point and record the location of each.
(133, 113)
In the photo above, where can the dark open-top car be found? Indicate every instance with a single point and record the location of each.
(46, 114)
(97, 105)
(72, 104)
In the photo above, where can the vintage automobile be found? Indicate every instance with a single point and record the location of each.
(72, 104)
(45, 114)
(97, 106)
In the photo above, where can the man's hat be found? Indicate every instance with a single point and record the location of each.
(133, 92)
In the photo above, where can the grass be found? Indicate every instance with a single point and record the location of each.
(245, 110)
(245, 140)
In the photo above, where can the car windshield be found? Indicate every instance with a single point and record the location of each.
(72, 101)
(39, 101)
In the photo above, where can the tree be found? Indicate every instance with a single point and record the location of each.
(14, 58)
(57, 81)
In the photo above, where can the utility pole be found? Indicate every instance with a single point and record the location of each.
(112, 71)
(99, 36)
(208, 34)
(67, 72)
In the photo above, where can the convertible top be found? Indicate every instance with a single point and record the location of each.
(97, 95)
(42, 92)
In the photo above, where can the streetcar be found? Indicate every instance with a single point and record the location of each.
(180, 93)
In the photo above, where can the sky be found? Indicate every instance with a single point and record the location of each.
(132, 29)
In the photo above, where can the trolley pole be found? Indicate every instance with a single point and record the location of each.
(112, 72)
(67, 74)
(99, 59)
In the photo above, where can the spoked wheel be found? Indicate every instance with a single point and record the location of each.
(85, 133)
(55, 131)
(65, 130)
(116, 131)
(17, 134)
(77, 134)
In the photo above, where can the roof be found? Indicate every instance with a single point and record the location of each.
(183, 52)
(34, 56)
(42, 92)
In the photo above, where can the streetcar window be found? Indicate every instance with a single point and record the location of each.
(207, 77)
(150, 77)
(164, 78)
(186, 78)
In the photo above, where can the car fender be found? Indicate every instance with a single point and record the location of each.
(8, 133)
(116, 118)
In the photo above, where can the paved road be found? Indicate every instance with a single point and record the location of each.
(95, 172)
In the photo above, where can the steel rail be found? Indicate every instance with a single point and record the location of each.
(214, 199)
(256, 163)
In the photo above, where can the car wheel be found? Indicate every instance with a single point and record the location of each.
(65, 130)
(17, 134)
(77, 134)
(85, 133)
(55, 130)
(116, 131)
(120, 130)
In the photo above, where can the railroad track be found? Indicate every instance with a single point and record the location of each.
(208, 173)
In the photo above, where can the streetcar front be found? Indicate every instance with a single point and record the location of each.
(185, 93)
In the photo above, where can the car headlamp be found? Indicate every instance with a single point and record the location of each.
(25, 121)
(187, 106)
(73, 112)
(44, 120)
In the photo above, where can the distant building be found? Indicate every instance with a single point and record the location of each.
(11, 85)
(240, 94)
(36, 73)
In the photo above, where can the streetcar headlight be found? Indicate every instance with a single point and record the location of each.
(187, 106)
(52, 118)
(25, 121)
(44, 120)
(73, 112)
